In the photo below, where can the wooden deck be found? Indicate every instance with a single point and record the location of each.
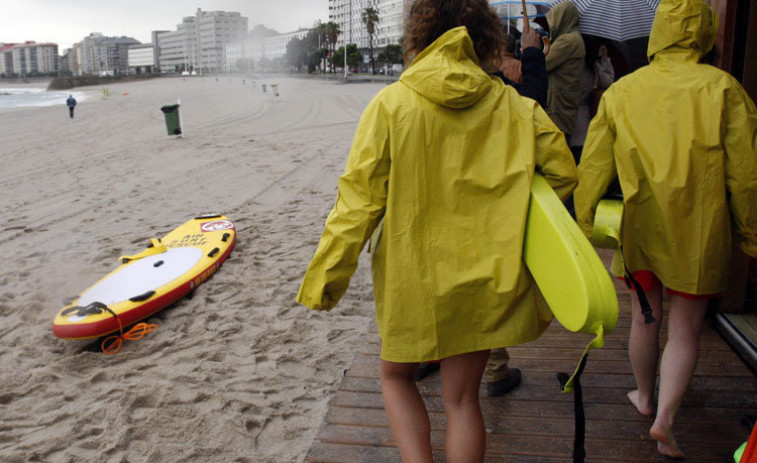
(534, 423)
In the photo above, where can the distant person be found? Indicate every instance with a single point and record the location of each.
(597, 75)
(682, 138)
(565, 62)
(446, 157)
(71, 103)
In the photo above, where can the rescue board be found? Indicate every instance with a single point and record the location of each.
(147, 282)
(567, 269)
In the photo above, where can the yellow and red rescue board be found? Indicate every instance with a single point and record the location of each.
(147, 282)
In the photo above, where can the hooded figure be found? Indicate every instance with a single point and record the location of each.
(71, 103)
(565, 63)
(446, 156)
(682, 138)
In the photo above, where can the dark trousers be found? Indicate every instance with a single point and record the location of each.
(71, 111)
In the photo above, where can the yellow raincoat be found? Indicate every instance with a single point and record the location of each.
(682, 137)
(446, 155)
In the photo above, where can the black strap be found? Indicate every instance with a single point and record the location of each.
(92, 309)
(579, 439)
(646, 309)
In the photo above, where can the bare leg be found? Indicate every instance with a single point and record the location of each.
(466, 434)
(676, 368)
(406, 411)
(644, 350)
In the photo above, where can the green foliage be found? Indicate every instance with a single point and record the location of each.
(307, 52)
(354, 57)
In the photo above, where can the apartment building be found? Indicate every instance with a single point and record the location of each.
(101, 55)
(348, 14)
(28, 58)
(199, 41)
(276, 46)
(6, 58)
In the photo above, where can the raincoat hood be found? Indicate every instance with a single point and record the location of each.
(448, 73)
(563, 18)
(683, 24)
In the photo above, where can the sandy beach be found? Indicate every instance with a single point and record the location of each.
(238, 373)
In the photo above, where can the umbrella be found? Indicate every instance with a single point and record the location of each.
(512, 12)
(619, 20)
(514, 9)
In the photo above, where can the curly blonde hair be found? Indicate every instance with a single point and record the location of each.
(429, 19)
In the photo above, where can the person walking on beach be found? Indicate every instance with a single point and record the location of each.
(446, 156)
(71, 103)
(681, 136)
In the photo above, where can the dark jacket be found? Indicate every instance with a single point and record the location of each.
(534, 71)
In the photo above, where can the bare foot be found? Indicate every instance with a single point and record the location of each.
(644, 407)
(666, 443)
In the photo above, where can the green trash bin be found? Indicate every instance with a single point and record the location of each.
(173, 124)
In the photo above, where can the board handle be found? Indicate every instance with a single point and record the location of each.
(155, 247)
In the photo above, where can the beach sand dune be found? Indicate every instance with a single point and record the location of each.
(237, 373)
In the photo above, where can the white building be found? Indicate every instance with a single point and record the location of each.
(199, 41)
(276, 46)
(32, 58)
(252, 49)
(142, 58)
(391, 22)
(348, 14)
(232, 53)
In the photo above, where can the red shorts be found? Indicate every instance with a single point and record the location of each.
(649, 281)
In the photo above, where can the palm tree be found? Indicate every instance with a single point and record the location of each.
(332, 34)
(370, 19)
(319, 33)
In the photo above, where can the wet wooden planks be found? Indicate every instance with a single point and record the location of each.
(534, 423)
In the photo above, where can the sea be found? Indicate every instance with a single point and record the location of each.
(18, 97)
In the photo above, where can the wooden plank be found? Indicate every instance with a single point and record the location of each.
(593, 392)
(730, 369)
(534, 423)
(504, 443)
(599, 429)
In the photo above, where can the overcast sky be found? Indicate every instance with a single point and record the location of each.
(68, 21)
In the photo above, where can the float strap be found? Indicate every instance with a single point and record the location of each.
(646, 309)
(572, 384)
(112, 344)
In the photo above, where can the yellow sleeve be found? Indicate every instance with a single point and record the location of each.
(553, 157)
(359, 207)
(597, 167)
(740, 144)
